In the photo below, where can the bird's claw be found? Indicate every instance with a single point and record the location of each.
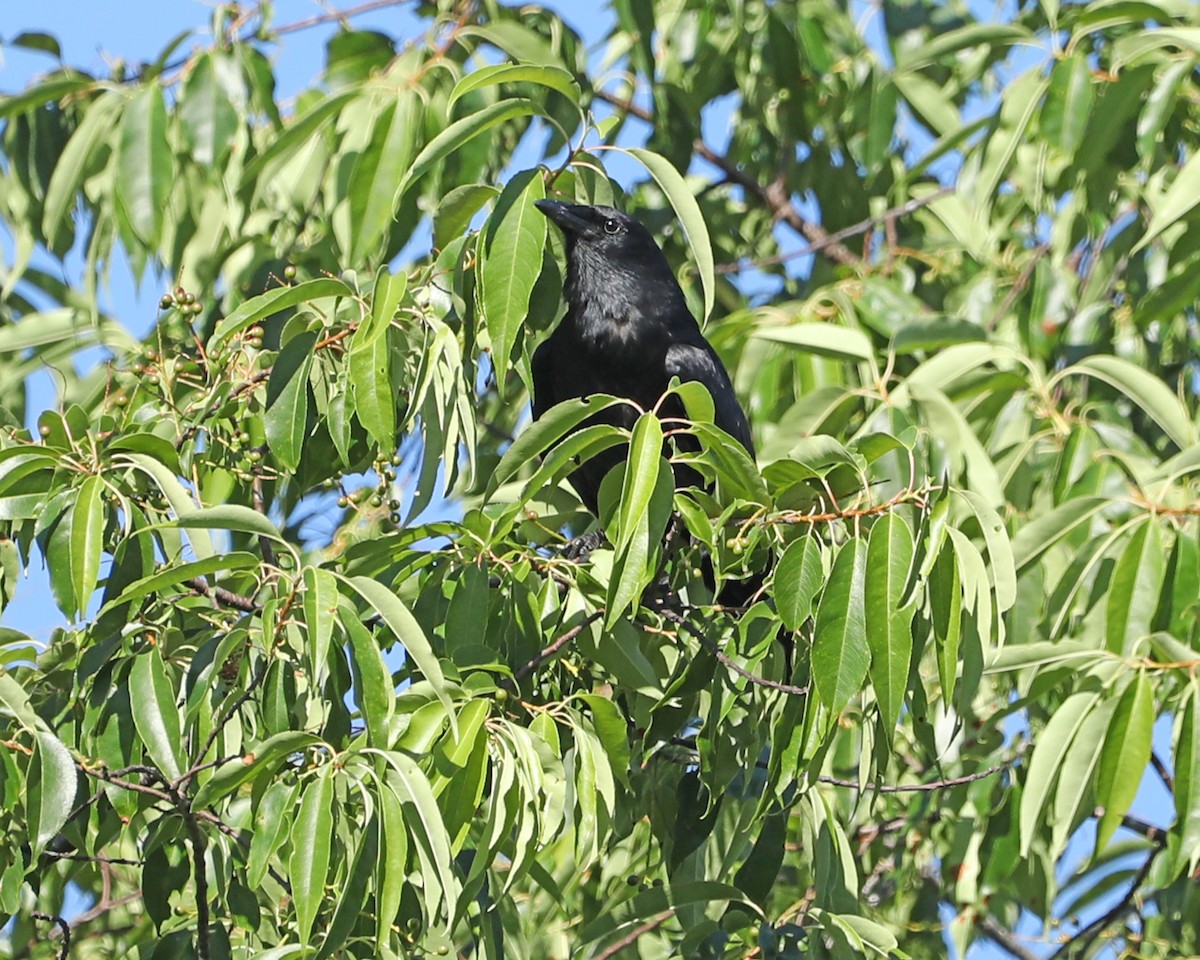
(582, 546)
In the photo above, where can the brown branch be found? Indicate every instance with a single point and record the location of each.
(863, 226)
(635, 934)
(65, 948)
(1000, 934)
(557, 645)
(223, 597)
(260, 504)
(1075, 946)
(916, 497)
(919, 787)
(773, 196)
(729, 662)
(1021, 282)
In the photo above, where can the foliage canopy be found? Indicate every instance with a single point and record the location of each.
(294, 716)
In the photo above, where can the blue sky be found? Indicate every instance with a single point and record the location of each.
(93, 35)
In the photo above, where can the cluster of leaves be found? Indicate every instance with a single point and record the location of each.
(292, 716)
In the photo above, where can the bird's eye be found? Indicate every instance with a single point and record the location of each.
(612, 226)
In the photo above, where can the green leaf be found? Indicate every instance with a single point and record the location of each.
(1180, 199)
(56, 789)
(888, 624)
(270, 303)
(1155, 398)
(228, 516)
(1068, 104)
(256, 761)
(822, 339)
(556, 78)
(14, 700)
(798, 578)
(370, 367)
(391, 875)
(551, 426)
(1038, 536)
(1125, 756)
(407, 630)
(641, 521)
(412, 789)
(62, 192)
(946, 602)
(641, 475)
(1133, 590)
(40, 94)
(373, 691)
(514, 239)
(158, 582)
(1187, 779)
(207, 117)
(320, 613)
(300, 133)
(286, 419)
(309, 863)
(1049, 750)
(379, 171)
(144, 164)
(87, 540)
(840, 654)
(456, 210)
(463, 131)
(353, 894)
(152, 699)
(271, 819)
(681, 198)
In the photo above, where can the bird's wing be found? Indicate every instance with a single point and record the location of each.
(544, 381)
(699, 362)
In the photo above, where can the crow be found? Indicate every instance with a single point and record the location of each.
(627, 332)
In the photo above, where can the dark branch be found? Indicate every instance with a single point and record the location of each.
(996, 932)
(65, 947)
(1078, 943)
(223, 597)
(724, 658)
(557, 645)
(774, 196)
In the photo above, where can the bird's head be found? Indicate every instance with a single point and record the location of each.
(608, 250)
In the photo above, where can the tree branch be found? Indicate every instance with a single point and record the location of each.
(724, 658)
(557, 645)
(774, 196)
(1075, 946)
(996, 932)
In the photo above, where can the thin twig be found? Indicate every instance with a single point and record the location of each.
(1078, 943)
(863, 226)
(557, 645)
(65, 947)
(634, 935)
(1163, 773)
(918, 787)
(774, 196)
(995, 931)
(724, 658)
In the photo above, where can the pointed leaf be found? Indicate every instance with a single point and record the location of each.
(155, 715)
(840, 655)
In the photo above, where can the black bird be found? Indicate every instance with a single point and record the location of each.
(627, 332)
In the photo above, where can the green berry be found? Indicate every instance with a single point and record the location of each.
(289, 272)
(343, 501)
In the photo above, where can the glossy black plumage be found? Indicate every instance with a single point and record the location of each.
(627, 332)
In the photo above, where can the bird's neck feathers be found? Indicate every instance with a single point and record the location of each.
(621, 309)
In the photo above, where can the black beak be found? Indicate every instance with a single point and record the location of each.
(570, 217)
